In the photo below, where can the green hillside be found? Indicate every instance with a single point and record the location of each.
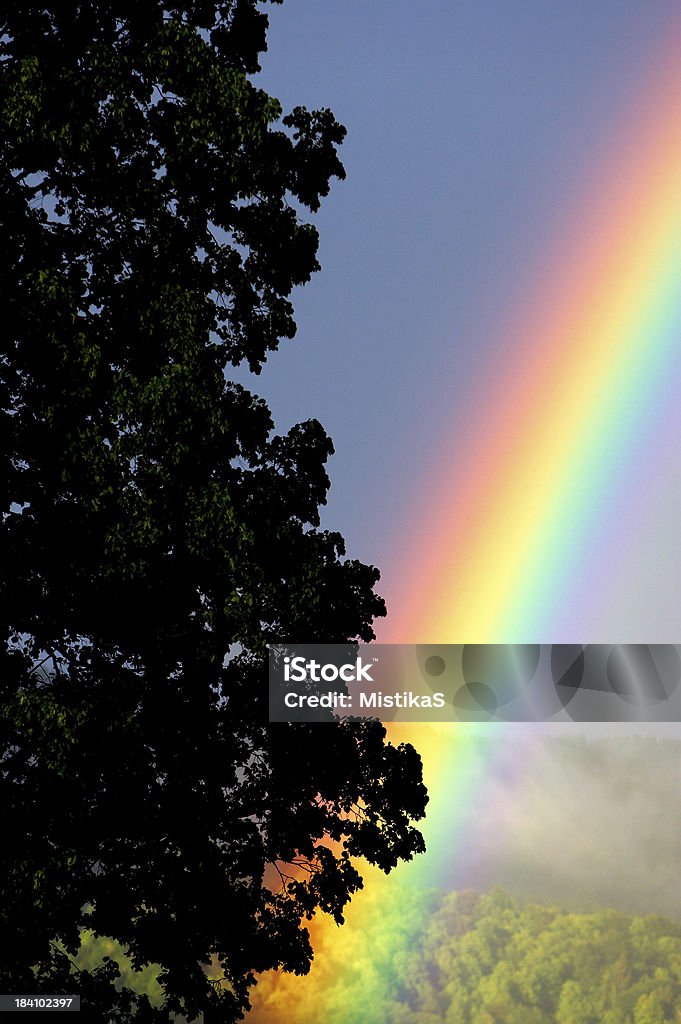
(463, 958)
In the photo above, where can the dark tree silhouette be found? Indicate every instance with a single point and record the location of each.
(156, 534)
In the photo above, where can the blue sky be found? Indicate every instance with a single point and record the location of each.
(472, 127)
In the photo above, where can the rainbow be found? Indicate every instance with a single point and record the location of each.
(589, 361)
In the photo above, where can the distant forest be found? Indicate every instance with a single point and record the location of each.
(465, 958)
(486, 960)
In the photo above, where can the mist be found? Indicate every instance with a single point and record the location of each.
(578, 822)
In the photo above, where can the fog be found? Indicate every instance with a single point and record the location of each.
(581, 822)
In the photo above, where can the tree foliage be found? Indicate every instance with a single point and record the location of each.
(156, 533)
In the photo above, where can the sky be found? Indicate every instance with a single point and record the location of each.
(473, 130)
